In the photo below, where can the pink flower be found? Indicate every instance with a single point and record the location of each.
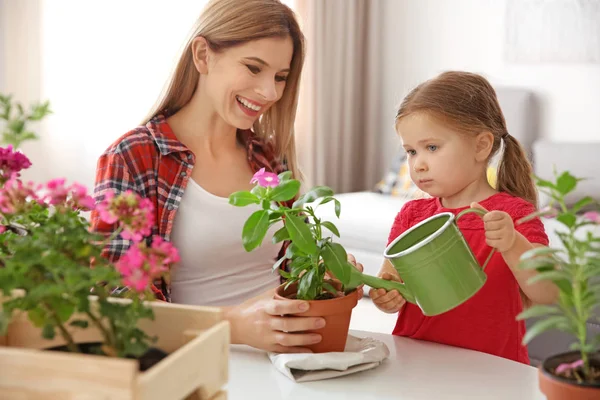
(134, 213)
(265, 179)
(593, 216)
(139, 281)
(15, 196)
(566, 366)
(141, 265)
(74, 197)
(80, 200)
(104, 210)
(132, 260)
(12, 162)
(57, 192)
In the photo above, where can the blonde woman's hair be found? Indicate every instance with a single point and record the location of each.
(229, 23)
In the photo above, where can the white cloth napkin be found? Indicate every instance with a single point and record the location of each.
(360, 354)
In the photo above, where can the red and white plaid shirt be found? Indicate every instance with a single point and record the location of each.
(151, 162)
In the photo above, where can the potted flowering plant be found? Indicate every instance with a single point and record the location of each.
(317, 267)
(574, 269)
(56, 287)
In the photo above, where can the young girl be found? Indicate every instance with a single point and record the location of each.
(451, 127)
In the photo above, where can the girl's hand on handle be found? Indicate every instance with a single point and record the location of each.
(389, 302)
(500, 231)
(268, 324)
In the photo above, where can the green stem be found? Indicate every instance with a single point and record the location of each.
(579, 309)
(108, 339)
(64, 332)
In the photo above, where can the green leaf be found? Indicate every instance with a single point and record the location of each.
(281, 235)
(48, 332)
(539, 263)
(285, 176)
(243, 198)
(278, 263)
(63, 309)
(582, 203)
(285, 191)
(289, 283)
(312, 195)
(255, 229)
(554, 276)
(307, 286)
(284, 274)
(336, 261)
(331, 227)
(79, 323)
(16, 126)
(538, 251)
(544, 183)
(555, 322)
(293, 252)
(327, 286)
(37, 316)
(566, 183)
(300, 234)
(299, 265)
(338, 208)
(259, 191)
(569, 219)
(538, 311)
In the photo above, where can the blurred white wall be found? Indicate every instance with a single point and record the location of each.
(102, 65)
(423, 38)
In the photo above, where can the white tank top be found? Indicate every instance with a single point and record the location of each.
(215, 269)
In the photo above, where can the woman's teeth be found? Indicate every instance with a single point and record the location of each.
(247, 104)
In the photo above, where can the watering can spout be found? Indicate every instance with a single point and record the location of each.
(356, 278)
(378, 283)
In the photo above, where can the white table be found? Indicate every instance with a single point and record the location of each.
(415, 370)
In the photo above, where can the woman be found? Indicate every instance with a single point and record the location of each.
(228, 111)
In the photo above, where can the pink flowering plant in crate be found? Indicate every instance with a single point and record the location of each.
(575, 270)
(49, 254)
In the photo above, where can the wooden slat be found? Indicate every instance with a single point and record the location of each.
(196, 338)
(170, 320)
(42, 375)
(201, 364)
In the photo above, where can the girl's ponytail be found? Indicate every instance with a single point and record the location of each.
(515, 172)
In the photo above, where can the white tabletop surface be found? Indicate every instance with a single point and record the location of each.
(415, 370)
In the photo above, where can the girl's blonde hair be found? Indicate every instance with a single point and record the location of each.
(229, 23)
(468, 102)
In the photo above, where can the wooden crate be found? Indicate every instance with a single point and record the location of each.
(197, 339)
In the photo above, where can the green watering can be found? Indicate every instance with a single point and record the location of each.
(437, 267)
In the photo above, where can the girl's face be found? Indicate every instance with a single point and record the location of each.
(244, 81)
(442, 161)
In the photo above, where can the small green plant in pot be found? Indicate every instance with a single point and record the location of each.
(575, 269)
(312, 258)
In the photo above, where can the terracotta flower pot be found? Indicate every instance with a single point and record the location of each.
(560, 388)
(336, 312)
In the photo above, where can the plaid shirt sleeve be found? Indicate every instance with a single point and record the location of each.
(112, 174)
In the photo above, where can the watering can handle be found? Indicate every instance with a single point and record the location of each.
(481, 213)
